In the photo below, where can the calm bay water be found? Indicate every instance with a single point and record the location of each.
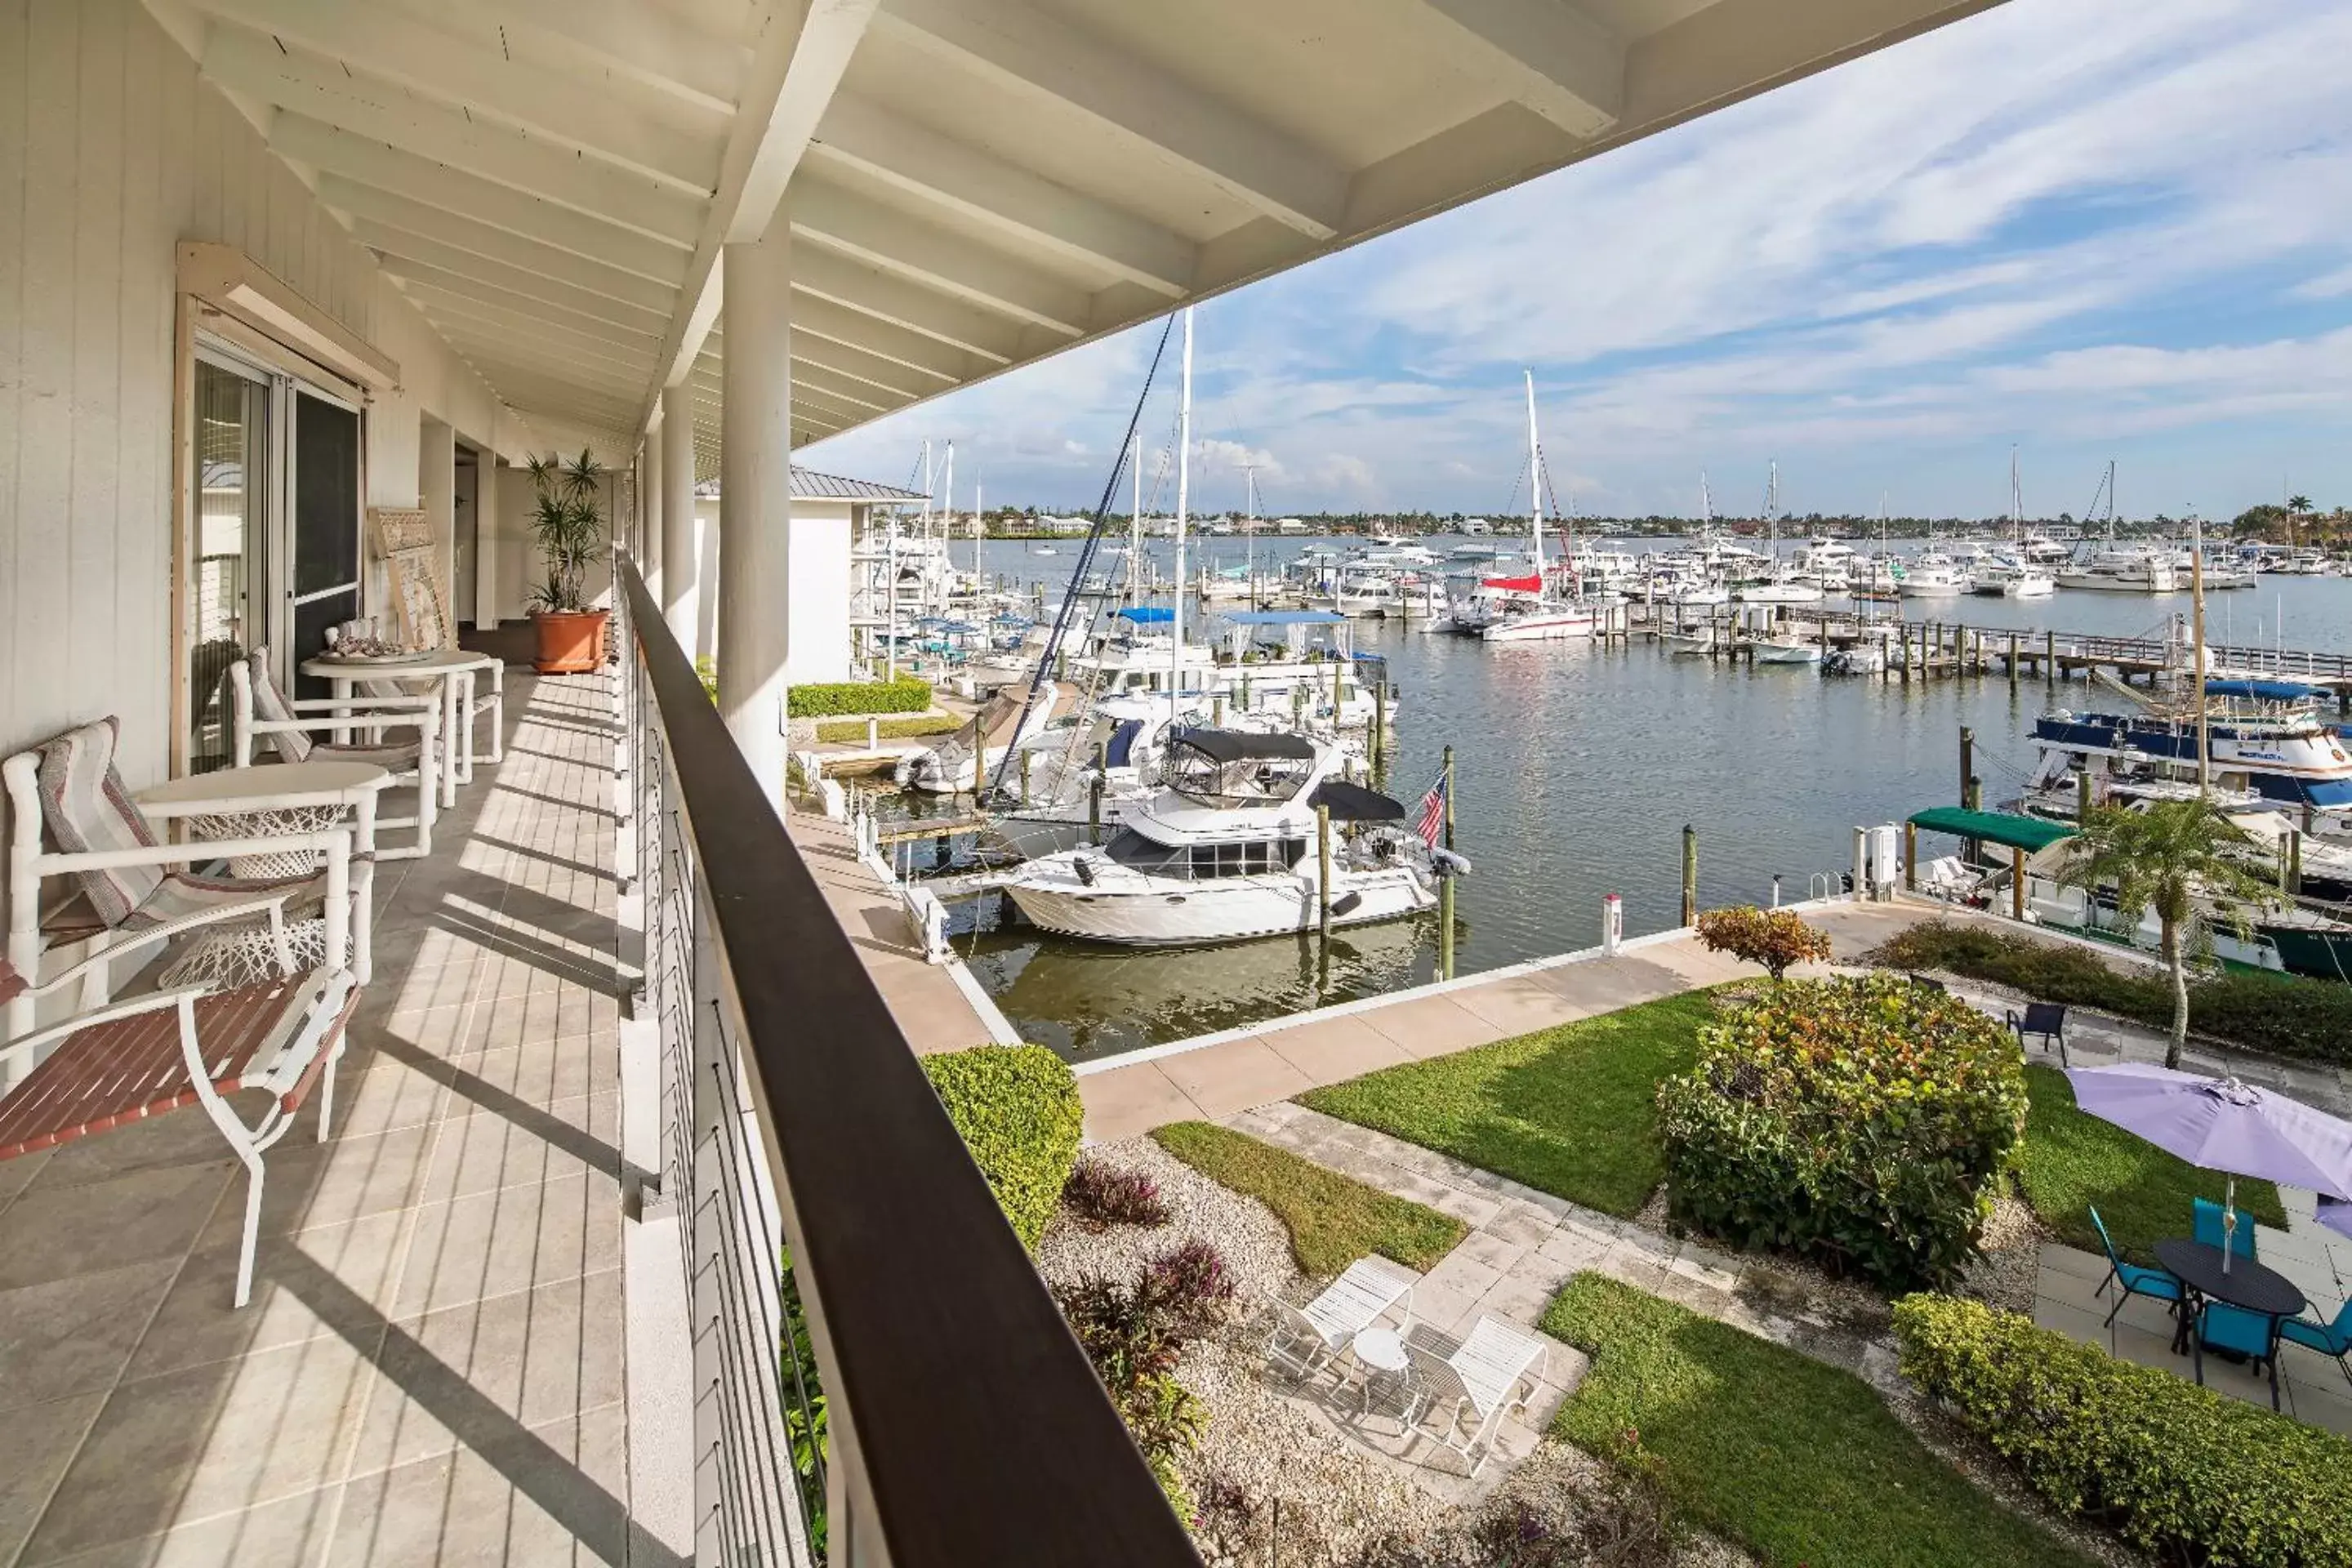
(1577, 766)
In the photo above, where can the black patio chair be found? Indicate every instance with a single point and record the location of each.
(2047, 1019)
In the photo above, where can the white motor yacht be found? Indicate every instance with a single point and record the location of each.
(1228, 849)
(2122, 569)
(2009, 577)
(1933, 574)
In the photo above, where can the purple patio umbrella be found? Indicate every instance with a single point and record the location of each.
(2221, 1125)
(2336, 1215)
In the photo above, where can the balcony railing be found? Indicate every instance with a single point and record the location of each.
(965, 1426)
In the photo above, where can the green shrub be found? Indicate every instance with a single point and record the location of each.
(706, 670)
(890, 729)
(904, 695)
(1866, 1121)
(1773, 938)
(2277, 1013)
(2180, 1471)
(1019, 1111)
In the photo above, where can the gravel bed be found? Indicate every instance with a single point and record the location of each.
(2005, 1275)
(1256, 1244)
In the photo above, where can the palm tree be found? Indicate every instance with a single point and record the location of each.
(2163, 857)
(2298, 505)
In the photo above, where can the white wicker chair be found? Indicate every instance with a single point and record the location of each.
(136, 891)
(261, 712)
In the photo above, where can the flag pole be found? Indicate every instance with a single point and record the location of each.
(1446, 882)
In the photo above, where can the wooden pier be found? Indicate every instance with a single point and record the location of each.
(1928, 648)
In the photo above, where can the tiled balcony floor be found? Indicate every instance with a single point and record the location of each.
(432, 1368)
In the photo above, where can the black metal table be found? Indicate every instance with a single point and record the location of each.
(2246, 1285)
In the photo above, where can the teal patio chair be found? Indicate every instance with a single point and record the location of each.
(2207, 1224)
(2255, 1335)
(2153, 1283)
(2328, 1339)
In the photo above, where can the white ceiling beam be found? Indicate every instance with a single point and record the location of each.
(518, 383)
(892, 299)
(332, 151)
(841, 359)
(398, 249)
(886, 146)
(442, 307)
(384, 220)
(616, 366)
(826, 405)
(870, 334)
(648, 43)
(1044, 57)
(799, 50)
(492, 153)
(815, 379)
(508, 301)
(466, 302)
(935, 256)
(1548, 54)
(474, 74)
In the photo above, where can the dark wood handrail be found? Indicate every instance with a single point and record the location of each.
(982, 1432)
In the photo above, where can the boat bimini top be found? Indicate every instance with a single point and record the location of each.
(1238, 767)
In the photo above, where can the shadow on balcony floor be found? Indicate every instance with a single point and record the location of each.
(432, 1365)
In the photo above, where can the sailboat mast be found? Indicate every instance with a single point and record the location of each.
(947, 535)
(1772, 511)
(979, 526)
(1535, 479)
(2016, 503)
(930, 485)
(1183, 499)
(1249, 528)
(1135, 525)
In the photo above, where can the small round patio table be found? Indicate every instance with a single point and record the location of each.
(1380, 1353)
(2247, 1285)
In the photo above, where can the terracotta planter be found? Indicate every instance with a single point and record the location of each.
(571, 641)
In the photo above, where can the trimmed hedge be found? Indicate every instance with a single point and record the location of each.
(2184, 1473)
(904, 695)
(2275, 1014)
(1865, 1121)
(890, 729)
(1019, 1111)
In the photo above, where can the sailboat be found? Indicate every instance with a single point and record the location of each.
(1547, 615)
(2013, 574)
(1774, 583)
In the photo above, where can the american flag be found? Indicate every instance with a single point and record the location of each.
(1432, 826)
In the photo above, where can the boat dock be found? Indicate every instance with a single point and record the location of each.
(1928, 648)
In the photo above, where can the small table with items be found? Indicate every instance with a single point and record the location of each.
(454, 669)
(2245, 1284)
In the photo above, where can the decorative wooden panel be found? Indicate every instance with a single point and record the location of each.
(412, 557)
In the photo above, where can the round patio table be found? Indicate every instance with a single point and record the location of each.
(2249, 1285)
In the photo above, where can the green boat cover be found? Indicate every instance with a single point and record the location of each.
(2029, 833)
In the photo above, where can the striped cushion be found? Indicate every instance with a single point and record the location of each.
(87, 810)
(271, 703)
(182, 894)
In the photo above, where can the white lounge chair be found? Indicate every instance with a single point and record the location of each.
(1496, 1369)
(1304, 1339)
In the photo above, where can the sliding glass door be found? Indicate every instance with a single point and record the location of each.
(273, 557)
(323, 533)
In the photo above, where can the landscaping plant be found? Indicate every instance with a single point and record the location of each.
(1776, 939)
(2185, 1474)
(566, 526)
(822, 700)
(2161, 858)
(1866, 1122)
(2278, 1014)
(1333, 1219)
(1101, 1194)
(1018, 1110)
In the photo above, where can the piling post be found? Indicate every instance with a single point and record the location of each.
(2294, 861)
(1446, 926)
(2012, 661)
(1323, 864)
(2050, 656)
(1910, 857)
(1968, 762)
(1449, 798)
(1024, 776)
(1690, 875)
(2016, 884)
(1217, 710)
(2082, 795)
(1379, 724)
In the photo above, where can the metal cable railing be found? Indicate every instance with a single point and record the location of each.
(942, 1413)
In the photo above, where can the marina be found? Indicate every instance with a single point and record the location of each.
(1580, 763)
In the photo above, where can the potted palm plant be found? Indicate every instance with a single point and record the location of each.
(570, 533)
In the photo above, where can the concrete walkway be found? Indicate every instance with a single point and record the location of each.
(1215, 1076)
(935, 1012)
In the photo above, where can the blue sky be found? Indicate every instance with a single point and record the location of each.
(2090, 229)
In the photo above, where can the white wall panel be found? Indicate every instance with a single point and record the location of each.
(112, 152)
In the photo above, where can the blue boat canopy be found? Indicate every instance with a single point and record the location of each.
(2264, 690)
(1147, 615)
(1285, 617)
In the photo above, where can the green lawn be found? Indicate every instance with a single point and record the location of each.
(1570, 1110)
(2075, 1162)
(1800, 1462)
(1333, 1219)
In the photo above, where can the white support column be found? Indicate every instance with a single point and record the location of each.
(485, 542)
(756, 492)
(679, 563)
(650, 557)
(436, 492)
